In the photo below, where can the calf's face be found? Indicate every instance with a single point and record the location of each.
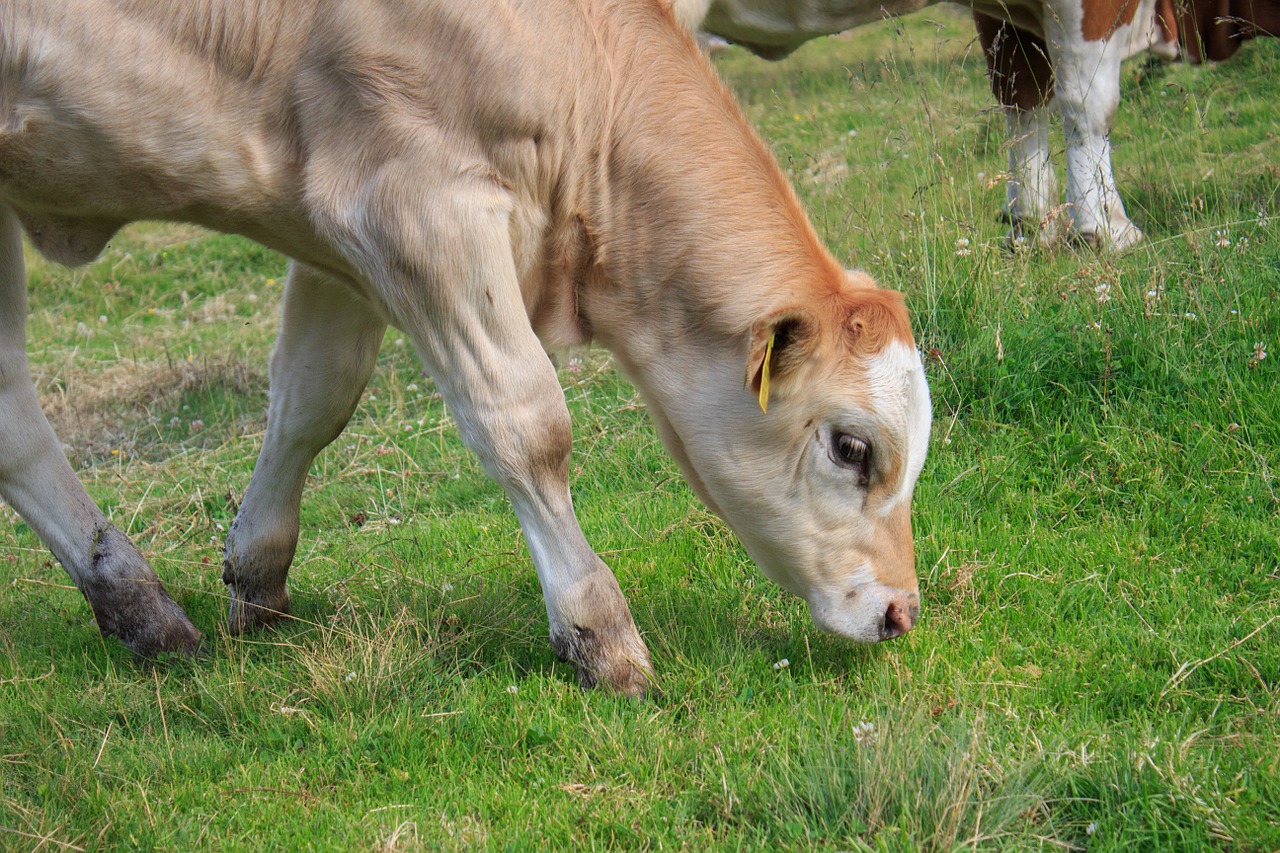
(813, 462)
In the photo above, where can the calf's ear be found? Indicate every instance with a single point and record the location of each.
(874, 318)
(780, 343)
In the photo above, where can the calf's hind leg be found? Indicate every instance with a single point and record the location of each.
(127, 598)
(328, 342)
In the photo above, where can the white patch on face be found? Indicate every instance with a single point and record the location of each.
(900, 395)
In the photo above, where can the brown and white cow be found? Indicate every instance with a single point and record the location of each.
(434, 165)
(1038, 50)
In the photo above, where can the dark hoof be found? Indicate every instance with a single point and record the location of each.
(248, 613)
(131, 604)
(621, 667)
(170, 633)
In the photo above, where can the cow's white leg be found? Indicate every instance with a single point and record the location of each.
(456, 294)
(1033, 184)
(328, 343)
(1087, 85)
(127, 598)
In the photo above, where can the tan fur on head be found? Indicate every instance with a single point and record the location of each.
(876, 318)
(862, 320)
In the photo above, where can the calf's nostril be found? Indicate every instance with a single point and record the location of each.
(897, 621)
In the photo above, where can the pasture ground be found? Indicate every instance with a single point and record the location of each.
(1098, 661)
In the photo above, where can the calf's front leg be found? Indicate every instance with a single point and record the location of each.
(127, 598)
(328, 343)
(451, 284)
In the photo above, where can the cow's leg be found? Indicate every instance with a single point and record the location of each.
(127, 598)
(1022, 81)
(456, 294)
(328, 343)
(1032, 197)
(1088, 92)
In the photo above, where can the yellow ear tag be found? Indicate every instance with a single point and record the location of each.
(764, 375)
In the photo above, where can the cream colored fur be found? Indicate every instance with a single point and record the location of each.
(489, 177)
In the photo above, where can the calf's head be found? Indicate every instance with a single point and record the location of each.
(812, 459)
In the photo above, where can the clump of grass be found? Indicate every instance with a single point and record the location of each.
(907, 780)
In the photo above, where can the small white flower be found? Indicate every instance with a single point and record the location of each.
(1190, 315)
(962, 247)
(513, 690)
(1223, 240)
(782, 664)
(351, 676)
(102, 318)
(1091, 828)
(412, 386)
(1259, 353)
(197, 425)
(1103, 292)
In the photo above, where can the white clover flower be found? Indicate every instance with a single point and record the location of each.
(1222, 239)
(1103, 292)
(351, 676)
(962, 247)
(1091, 828)
(782, 664)
(513, 690)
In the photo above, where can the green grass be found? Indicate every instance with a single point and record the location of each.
(1098, 531)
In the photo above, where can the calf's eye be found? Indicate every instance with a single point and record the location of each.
(852, 453)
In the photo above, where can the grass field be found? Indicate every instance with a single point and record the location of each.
(1097, 665)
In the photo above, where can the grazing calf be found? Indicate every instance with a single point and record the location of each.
(1036, 51)
(433, 165)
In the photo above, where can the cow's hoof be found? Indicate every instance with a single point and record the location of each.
(129, 602)
(248, 612)
(618, 665)
(1026, 235)
(1117, 239)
